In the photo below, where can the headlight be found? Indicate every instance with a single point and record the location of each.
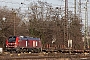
(15, 43)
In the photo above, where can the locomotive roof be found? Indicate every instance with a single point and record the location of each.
(29, 38)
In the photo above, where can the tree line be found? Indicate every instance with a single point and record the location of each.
(41, 20)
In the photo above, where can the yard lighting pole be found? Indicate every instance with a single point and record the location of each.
(14, 23)
(4, 19)
(3, 22)
(86, 43)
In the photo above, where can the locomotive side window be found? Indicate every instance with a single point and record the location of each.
(36, 43)
(33, 43)
(12, 39)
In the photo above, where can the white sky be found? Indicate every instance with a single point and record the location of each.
(16, 4)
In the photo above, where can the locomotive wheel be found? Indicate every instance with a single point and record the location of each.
(37, 50)
(17, 50)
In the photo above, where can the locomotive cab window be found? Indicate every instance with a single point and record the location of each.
(12, 39)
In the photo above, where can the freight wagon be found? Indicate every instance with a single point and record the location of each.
(23, 44)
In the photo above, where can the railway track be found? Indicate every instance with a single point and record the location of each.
(43, 56)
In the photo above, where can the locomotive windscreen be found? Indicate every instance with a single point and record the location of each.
(12, 39)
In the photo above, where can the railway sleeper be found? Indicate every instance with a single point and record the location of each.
(34, 50)
(49, 51)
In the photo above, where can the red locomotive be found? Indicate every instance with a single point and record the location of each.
(23, 44)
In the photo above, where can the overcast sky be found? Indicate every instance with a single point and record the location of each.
(17, 4)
